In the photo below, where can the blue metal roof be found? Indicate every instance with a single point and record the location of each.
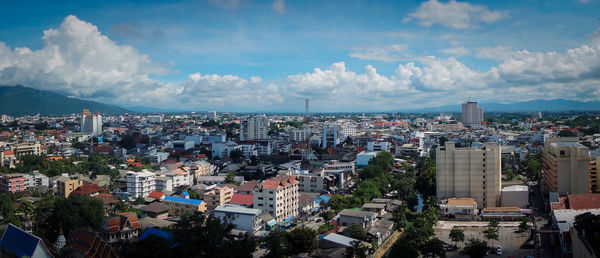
(155, 232)
(18, 242)
(183, 200)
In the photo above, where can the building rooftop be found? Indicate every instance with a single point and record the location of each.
(516, 188)
(355, 213)
(461, 202)
(182, 200)
(237, 209)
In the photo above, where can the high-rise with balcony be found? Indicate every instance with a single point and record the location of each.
(141, 183)
(471, 114)
(566, 166)
(277, 196)
(469, 173)
(254, 128)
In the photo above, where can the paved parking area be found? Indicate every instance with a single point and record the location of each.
(509, 240)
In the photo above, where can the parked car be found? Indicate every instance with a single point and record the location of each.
(499, 250)
(450, 247)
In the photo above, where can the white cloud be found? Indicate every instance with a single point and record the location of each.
(78, 60)
(456, 51)
(279, 6)
(453, 14)
(387, 53)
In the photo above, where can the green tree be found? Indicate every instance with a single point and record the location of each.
(325, 228)
(433, 248)
(357, 232)
(403, 248)
(475, 248)
(399, 215)
(367, 190)
(328, 215)
(302, 240)
(236, 155)
(139, 200)
(230, 179)
(26, 209)
(491, 232)
(357, 250)
(199, 235)
(457, 235)
(152, 246)
(523, 225)
(425, 183)
(566, 133)
(276, 244)
(78, 211)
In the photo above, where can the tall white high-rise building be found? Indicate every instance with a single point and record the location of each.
(331, 135)
(471, 115)
(469, 172)
(254, 128)
(91, 123)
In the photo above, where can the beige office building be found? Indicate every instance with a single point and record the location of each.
(64, 186)
(566, 166)
(469, 173)
(218, 196)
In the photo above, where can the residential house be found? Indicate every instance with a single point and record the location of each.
(123, 228)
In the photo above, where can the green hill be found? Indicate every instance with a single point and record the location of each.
(19, 100)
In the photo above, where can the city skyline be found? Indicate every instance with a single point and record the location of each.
(272, 55)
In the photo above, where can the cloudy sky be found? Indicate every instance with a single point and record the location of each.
(241, 55)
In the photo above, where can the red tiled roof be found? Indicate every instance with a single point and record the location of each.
(135, 164)
(583, 201)
(560, 205)
(201, 156)
(89, 189)
(100, 149)
(276, 182)
(242, 199)
(7, 152)
(156, 194)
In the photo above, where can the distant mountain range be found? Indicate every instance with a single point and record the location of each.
(554, 105)
(19, 101)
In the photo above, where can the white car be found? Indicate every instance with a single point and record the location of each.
(499, 250)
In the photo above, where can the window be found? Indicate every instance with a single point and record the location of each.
(484, 182)
(483, 159)
(483, 176)
(483, 165)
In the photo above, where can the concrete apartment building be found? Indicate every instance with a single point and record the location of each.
(246, 219)
(220, 195)
(311, 181)
(27, 148)
(64, 186)
(91, 123)
(277, 196)
(566, 166)
(254, 128)
(140, 183)
(12, 184)
(469, 173)
(471, 115)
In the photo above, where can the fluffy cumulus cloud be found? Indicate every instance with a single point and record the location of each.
(453, 14)
(79, 61)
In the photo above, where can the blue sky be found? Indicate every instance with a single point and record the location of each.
(238, 55)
